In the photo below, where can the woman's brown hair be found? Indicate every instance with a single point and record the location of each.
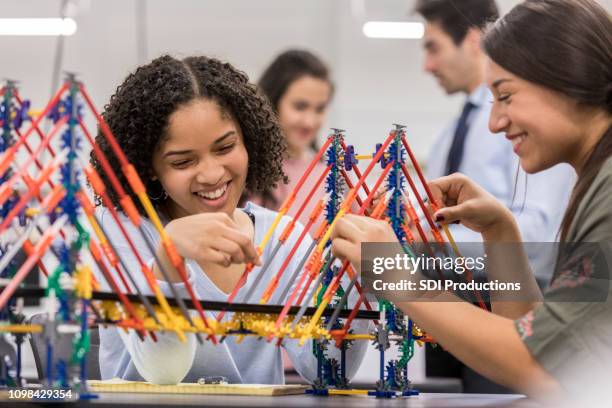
(287, 68)
(566, 46)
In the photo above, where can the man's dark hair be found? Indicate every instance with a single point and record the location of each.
(456, 17)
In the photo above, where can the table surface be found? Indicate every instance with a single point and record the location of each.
(425, 400)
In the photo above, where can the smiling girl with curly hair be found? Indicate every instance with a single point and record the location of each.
(199, 135)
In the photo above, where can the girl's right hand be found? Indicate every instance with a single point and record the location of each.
(462, 200)
(212, 237)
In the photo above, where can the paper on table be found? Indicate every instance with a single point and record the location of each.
(118, 385)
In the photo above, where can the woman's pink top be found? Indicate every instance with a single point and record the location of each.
(294, 169)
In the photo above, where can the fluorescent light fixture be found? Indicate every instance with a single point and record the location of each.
(37, 26)
(394, 29)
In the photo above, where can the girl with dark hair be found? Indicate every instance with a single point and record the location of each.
(199, 134)
(298, 85)
(550, 71)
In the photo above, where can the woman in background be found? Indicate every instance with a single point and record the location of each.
(299, 88)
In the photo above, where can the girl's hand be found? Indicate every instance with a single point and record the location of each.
(462, 200)
(378, 195)
(212, 237)
(351, 230)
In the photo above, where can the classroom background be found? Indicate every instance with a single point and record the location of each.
(378, 82)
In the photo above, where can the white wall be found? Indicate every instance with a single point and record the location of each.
(379, 82)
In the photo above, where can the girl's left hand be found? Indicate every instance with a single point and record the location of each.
(352, 230)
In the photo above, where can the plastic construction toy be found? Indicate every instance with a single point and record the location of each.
(46, 211)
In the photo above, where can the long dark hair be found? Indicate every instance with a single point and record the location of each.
(566, 46)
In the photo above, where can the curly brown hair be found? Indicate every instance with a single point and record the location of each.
(138, 114)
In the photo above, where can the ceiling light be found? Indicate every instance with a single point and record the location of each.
(392, 29)
(37, 26)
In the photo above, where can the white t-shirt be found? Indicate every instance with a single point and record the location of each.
(169, 361)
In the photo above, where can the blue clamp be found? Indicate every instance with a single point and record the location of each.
(383, 160)
(349, 158)
(409, 392)
(22, 114)
(56, 112)
(64, 108)
(382, 394)
(318, 392)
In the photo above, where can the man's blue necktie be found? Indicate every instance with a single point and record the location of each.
(455, 153)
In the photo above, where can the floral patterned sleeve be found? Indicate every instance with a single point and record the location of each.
(567, 328)
(570, 333)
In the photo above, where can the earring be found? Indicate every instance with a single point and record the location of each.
(160, 196)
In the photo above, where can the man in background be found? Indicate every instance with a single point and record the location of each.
(453, 55)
